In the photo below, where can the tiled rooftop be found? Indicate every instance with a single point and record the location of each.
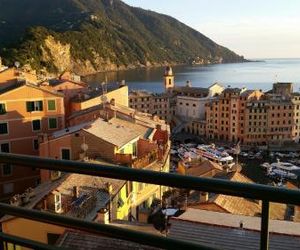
(87, 185)
(112, 132)
(198, 169)
(97, 92)
(223, 231)
(233, 204)
(81, 240)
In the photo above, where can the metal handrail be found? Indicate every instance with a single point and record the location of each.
(103, 229)
(255, 191)
(246, 190)
(25, 242)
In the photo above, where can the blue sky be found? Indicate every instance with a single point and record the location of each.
(253, 28)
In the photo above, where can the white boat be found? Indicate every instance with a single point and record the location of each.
(284, 166)
(283, 174)
(209, 152)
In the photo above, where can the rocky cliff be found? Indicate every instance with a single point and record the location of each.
(88, 36)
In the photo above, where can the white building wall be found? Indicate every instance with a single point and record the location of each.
(194, 108)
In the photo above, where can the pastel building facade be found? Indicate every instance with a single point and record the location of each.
(26, 110)
(154, 104)
(98, 96)
(274, 119)
(120, 139)
(225, 115)
(188, 107)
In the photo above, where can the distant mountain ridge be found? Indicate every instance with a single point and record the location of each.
(88, 36)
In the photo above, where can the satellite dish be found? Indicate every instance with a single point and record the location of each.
(84, 147)
(17, 64)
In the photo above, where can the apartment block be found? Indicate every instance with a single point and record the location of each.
(225, 115)
(26, 111)
(154, 104)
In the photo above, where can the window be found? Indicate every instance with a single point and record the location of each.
(8, 188)
(34, 106)
(3, 128)
(35, 144)
(51, 105)
(36, 125)
(52, 123)
(2, 109)
(65, 154)
(6, 170)
(4, 148)
(52, 238)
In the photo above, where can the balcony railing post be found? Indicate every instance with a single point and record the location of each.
(264, 230)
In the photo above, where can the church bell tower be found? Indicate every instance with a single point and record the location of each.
(169, 79)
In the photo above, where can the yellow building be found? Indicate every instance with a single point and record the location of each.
(169, 79)
(101, 95)
(81, 196)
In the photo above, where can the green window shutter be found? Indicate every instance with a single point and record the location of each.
(29, 106)
(51, 105)
(40, 105)
(52, 123)
(2, 109)
(65, 154)
(36, 125)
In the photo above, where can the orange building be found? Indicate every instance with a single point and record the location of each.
(255, 118)
(69, 89)
(13, 75)
(26, 110)
(275, 118)
(225, 115)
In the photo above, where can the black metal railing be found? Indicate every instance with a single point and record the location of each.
(254, 191)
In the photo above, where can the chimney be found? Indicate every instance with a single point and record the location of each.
(45, 204)
(103, 216)
(203, 197)
(75, 192)
(109, 188)
(113, 102)
(123, 83)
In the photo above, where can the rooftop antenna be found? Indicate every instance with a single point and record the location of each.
(17, 64)
(103, 97)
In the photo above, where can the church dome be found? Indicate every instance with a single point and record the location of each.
(168, 71)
